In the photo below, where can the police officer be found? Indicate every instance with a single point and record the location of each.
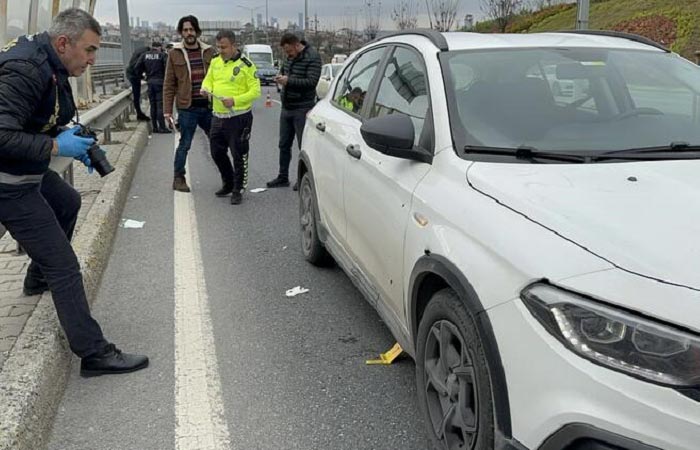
(37, 207)
(232, 81)
(153, 64)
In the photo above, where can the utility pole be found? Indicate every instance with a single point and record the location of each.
(582, 14)
(125, 32)
(306, 15)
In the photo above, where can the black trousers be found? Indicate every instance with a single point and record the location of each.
(42, 219)
(155, 98)
(234, 134)
(136, 89)
(292, 123)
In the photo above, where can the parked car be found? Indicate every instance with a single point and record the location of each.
(537, 257)
(262, 57)
(328, 73)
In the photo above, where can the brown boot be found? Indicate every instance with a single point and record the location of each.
(180, 184)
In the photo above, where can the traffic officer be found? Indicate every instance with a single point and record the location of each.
(233, 83)
(37, 207)
(153, 64)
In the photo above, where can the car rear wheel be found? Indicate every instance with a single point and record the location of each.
(311, 245)
(454, 388)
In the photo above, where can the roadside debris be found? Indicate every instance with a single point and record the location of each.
(129, 223)
(293, 292)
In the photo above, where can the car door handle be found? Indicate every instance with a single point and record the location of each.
(321, 127)
(353, 151)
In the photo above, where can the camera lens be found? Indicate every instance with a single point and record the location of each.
(99, 161)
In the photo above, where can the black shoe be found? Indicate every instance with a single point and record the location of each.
(33, 286)
(225, 190)
(296, 186)
(143, 118)
(162, 131)
(236, 198)
(278, 182)
(112, 361)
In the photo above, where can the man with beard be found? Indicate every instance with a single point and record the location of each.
(187, 66)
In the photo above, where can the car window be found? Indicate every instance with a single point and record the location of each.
(403, 89)
(352, 87)
(325, 72)
(336, 68)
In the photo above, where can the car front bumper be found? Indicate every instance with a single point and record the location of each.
(560, 401)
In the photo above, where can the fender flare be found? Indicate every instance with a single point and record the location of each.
(442, 267)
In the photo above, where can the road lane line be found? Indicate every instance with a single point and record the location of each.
(199, 411)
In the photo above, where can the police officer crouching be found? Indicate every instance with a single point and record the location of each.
(233, 83)
(153, 64)
(37, 207)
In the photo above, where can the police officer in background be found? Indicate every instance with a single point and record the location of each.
(233, 83)
(153, 64)
(135, 81)
(37, 207)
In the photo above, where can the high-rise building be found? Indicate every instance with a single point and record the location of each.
(260, 21)
(275, 23)
(138, 22)
(301, 21)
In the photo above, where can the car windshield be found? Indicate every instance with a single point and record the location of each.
(572, 99)
(261, 59)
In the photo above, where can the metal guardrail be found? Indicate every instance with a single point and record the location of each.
(115, 111)
(107, 74)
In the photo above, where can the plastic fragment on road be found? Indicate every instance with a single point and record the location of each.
(387, 358)
(258, 190)
(128, 223)
(293, 292)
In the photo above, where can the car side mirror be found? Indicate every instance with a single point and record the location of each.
(394, 135)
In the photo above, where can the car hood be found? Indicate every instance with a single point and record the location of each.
(643, 217)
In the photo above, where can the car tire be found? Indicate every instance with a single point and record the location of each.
(452, 377)
(311, 246)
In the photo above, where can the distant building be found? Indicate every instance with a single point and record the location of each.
(260, 21)
(469, 22)
(275, 23)
(301, 21)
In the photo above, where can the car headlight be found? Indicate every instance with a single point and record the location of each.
(615, 338)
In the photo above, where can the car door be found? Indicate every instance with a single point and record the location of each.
(333, 126)
(379, 188)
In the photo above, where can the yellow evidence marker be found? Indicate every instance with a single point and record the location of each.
(387, 357)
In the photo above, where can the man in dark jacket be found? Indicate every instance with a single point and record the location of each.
(135, 80)
(37, 207)
(153, 64)
(298, 78)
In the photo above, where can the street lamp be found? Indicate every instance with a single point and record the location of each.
(252, 19)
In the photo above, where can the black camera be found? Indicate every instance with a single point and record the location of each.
(98, 157)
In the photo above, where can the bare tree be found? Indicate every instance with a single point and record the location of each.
(442, 13)
(373, 11)
(405, 14)
(501, 11)
(348, 35)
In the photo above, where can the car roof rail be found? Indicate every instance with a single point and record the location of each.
(620, 34)
(435, 37)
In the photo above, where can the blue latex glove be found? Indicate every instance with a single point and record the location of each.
(73, 146)
(85, 159)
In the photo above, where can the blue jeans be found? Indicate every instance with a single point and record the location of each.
(189, 119)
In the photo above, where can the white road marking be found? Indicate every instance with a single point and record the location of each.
(199, 411)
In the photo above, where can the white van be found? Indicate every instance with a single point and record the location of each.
(338, 58)
(261, 55)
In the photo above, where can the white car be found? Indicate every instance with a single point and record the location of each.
(539, 259)
(328, 73)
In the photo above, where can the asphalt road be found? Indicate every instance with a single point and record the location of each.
(291, 372)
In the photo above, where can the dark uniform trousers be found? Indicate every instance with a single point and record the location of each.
(155, 98)
(41, 218)
(232, 133)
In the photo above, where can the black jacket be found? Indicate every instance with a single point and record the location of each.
(35, 100)
(131, 72)
(303, 72)
(153, 64)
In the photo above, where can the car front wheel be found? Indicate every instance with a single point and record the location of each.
(454, 388)
(311, 245)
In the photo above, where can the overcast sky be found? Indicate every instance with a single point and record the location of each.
(331, 13)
